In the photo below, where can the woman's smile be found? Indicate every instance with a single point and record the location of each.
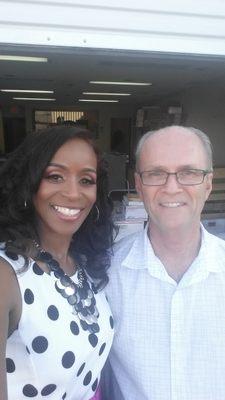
(67, 211)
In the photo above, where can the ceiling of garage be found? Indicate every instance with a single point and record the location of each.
(68, 72)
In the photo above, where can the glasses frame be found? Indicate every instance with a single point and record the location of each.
(203, 171)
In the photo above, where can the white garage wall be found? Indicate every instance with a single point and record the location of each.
(186, 26)
(177, 26)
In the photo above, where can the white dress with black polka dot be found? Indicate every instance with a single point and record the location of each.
(50, 356)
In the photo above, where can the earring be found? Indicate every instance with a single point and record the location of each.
(97, 213)
(25, 204)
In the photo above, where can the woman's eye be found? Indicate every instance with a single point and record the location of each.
(88, 181)
(54, 178)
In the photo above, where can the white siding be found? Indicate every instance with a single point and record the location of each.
(183, 26)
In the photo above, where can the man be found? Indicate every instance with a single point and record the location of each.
(167, 283)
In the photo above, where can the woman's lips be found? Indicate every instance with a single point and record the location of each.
(66, 211)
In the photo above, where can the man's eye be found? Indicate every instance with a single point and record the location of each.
(189, 172)
(156, 173)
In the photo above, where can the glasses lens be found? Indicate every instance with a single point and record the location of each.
(154, 178)
(184, 177)
(190, 177)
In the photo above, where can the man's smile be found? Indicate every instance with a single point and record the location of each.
(172, 204)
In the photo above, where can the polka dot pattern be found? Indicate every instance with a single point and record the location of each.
(28, 296)
(74, 328)
(95, 385)
(30, 391)
(52, 348)
(80, 370)
(102, 348)
(87, 378)
(12, 255)
(111, 321)
(37, 270)
(40, 344)
(93, 339)
(68, 359)
(10, 365)
(53, 313)
(48, 389)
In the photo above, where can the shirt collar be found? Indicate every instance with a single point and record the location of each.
(212, 251)
(209, 259)
(142, 256)
(137, 257)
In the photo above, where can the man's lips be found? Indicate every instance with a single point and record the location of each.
(172, 204)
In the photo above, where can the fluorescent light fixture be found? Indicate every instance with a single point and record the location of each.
(99, 101)
(25, 91)
(22, 58)
(33, 98)
(106, 94)
(121, 83)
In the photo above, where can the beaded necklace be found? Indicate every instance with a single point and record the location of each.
(79, 295)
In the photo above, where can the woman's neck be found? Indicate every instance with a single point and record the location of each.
(58, 247)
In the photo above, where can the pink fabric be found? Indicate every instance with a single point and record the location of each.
(97, 395)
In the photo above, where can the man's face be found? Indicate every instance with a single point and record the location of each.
(173, 206)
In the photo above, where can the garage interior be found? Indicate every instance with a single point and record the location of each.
(180, 89)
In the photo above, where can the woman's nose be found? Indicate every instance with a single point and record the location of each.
(72, 189)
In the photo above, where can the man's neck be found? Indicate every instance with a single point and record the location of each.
(176, 251)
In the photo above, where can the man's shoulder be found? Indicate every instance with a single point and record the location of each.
(211, 237)
(122, 246)
(215, 247)
(217, 240)
(121, 251)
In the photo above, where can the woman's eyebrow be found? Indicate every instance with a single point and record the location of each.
(87, 169)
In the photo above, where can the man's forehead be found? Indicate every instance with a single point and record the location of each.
(178, 134)
(173, 146)
(171, 140)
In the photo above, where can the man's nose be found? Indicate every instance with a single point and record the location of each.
(172, 183)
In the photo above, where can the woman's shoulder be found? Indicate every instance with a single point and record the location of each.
(8, 278)
(16, 261)
(9, 291)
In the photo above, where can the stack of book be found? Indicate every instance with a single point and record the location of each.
(134, 207)
(129, 215)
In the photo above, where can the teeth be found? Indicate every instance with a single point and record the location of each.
(171, 205)
(67, 211)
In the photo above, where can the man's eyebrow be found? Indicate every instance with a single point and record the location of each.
(164, 168)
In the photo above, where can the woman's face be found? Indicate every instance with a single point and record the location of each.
(67, 190)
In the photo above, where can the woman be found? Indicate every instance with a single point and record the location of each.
(55, 231)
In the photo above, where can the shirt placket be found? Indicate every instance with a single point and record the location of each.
(177, 345)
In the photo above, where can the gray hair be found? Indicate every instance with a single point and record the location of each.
(207, 145)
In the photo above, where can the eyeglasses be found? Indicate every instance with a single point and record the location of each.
(186, 177)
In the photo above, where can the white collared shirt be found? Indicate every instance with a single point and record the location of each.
(170, 337)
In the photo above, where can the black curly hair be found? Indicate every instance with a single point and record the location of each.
(20, 177)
